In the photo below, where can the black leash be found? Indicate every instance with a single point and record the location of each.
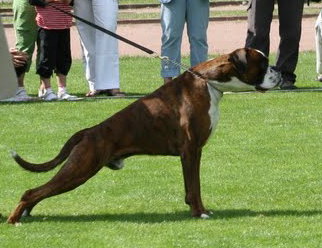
(144, 49)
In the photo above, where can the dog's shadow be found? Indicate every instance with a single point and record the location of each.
(166, 217)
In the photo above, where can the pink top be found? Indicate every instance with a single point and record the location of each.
(50, 18)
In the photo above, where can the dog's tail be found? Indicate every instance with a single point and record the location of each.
(47, 166)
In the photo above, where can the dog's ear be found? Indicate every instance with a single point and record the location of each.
(239, 60)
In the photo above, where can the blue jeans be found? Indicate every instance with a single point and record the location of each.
(174, 15)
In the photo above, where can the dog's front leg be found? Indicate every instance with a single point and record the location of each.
(190, 159)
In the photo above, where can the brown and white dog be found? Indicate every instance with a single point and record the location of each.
(176, 119)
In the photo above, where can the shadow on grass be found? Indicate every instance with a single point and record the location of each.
(167, 217)
(79, 97)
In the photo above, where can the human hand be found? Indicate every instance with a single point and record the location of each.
(19, 58)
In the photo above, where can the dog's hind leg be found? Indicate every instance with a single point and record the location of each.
(76, 171)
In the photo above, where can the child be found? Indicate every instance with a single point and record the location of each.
(54, 46)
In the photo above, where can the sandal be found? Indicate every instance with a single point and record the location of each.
(93, 93)
(114, 92)
(111, 92)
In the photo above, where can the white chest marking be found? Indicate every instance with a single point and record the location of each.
(213, 112)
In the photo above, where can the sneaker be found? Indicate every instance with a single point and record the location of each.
(41, 93)
(288, 85)
(319, 78)
(21, 93)
(63, 95)
(13, 99)
(47, 94)
(20, 96)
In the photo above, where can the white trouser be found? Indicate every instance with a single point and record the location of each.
(8, 79)
(101, 54)
(318, 42)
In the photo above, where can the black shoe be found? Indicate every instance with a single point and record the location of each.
(288, 85)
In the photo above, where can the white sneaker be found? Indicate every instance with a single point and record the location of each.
(13, 99)
(41, 93)
(63, 95)
(47, 94)
(21, 93)
(21, 96)
(319, 78)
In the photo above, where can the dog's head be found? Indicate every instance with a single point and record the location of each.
(242, 70)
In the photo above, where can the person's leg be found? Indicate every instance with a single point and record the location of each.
(260, 14)
(63, 64)
(318, 45)
(290, 17)
(107, 54)
(26, 34)
(197, 24)
(47, 40)
(63, 58)
(84, 9)
(172, 23)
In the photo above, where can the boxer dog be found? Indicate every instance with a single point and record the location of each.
(176, 119)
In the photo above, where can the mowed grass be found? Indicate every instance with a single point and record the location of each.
(261, 173)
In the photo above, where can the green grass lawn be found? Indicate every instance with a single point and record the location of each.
(261, 173)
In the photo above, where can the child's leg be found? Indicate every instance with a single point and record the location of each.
(63, 63)
(45, 83)
(47, 47)
(46, 41)
(61, 80)
(64, 57)
(62, 91)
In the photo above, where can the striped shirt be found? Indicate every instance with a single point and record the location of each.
(50, 18)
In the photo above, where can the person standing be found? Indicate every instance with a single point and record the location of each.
(54, 47)
(25, 28)
(318, 45)
(101, 55)
(260, 14)
(174, 15)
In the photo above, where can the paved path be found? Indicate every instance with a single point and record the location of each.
(223, 37)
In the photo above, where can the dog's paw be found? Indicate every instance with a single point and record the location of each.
(204, 216)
